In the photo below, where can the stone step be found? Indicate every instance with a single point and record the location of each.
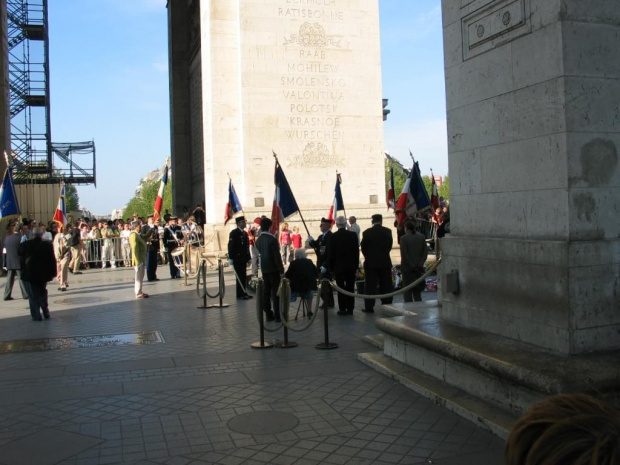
(375, 340)
(509, 374)
(484, 414)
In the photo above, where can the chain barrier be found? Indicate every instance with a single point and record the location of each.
(201, 285)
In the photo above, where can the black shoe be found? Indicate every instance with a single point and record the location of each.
(368, 311)
(310, 314)
(63, 289)
(9, 298)
(58, 288)
(37, 319)
(242, 297)
(350, 312)
(341, 312)
(77, 272)
(46, 316)
(248, 296)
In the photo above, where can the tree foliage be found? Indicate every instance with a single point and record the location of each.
(143, 202)
(72, 199)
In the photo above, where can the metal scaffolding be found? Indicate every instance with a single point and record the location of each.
(35, 157)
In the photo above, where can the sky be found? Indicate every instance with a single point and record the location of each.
(109, 83)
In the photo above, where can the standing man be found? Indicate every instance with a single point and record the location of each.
(138, 258)
(376, 246)
(253, 233)
(343, 262)
(170, 243)
(353, 226)
(75, 242)
(322, 248)
(38, 268)
(13, 265)
(239, 256)
(272, 268)
(152, 241)
(61, 253)
(413, 253)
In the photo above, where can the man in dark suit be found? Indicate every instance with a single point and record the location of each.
(376, 246)
(343, 261)
(239, 255)
(413, 253)
(38, 268)
(171, 242)
(13, 265)
(322, 248)
(272, 269)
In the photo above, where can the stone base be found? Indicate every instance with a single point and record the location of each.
(504, 374)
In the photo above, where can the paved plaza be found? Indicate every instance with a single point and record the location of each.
(197, 393)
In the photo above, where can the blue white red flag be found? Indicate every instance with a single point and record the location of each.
(391, 193)
(338, 203)
(233, 205)
(9, 208)
(60, 215)
(284, 203)
(434, 194)
(413, 198)
(160, 195)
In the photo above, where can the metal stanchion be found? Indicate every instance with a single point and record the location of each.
(185, 258)
(284, 299)
(259, 313)
(325, 345)
(202, 271)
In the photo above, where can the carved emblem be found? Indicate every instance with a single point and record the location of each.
(506, 18)
(312, 35)
(316, 155)
(480, 31)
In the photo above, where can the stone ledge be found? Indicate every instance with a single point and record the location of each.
(465, 405)
(513, 361)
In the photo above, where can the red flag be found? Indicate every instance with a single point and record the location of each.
(160, 195)
(338, 203)
(434, 194)
(391, 192)
(60, 215)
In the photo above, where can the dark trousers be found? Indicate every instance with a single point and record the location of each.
(174, 271)
(151, 265)
(410, 276)
(240, 267)
(346, 281)
(10, 279)
(271, 281)
(37, 299)
(381, 277)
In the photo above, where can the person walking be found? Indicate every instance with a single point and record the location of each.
(272, 269)
(343, 261)
(13, 264)
(38, 268)
(413, 254)
(376, 245)
(138, 258)
(239, 256)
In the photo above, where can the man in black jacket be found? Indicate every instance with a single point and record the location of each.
(376, 246)
(38, 268)
(343, 261)
(321, 247)
(239, 255)
(271, 267)
(171, 242)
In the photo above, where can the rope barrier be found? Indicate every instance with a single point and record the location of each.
(391, 294)
(285, 306)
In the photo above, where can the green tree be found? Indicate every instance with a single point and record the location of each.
(143, 202)
(444, 189)
(72, 198)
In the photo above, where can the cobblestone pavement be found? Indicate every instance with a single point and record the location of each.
(203, 395)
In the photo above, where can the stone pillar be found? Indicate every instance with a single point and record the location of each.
(5, 116)
(179, 56)
(533, 92)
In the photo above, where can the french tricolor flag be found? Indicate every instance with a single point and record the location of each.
(338, 203)
(160, 195)
(284, 203)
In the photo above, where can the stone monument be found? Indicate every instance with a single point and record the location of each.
(301, 78)
(534, 128)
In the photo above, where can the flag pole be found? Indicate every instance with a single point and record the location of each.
(340, 182)
(230, 180)
(298, 211)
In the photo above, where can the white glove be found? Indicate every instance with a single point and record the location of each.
(323, 270)
(230, 262)
(310, 239)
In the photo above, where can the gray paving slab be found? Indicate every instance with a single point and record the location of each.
(173, 402)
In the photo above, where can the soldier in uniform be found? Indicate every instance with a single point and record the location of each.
(171, 242)
(239, 256)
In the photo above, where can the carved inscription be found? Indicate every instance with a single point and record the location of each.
(312, 83)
